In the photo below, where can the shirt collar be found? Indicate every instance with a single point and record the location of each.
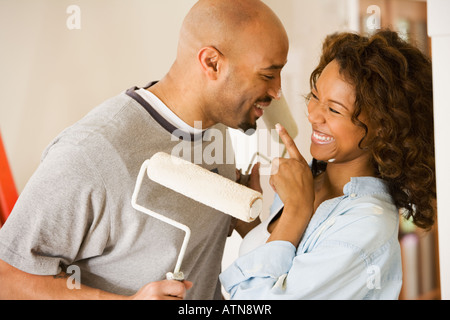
(362, 186)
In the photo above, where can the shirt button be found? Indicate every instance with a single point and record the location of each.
(353, 195)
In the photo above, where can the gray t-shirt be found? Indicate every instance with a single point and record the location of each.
(76, 208)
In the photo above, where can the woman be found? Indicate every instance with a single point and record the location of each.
(333, 229)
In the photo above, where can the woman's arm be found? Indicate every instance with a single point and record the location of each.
(275, 271)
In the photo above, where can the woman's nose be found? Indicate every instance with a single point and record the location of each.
(315, 113)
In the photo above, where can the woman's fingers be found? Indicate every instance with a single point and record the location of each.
(291, 147)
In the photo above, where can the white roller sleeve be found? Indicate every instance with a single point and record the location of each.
(279, 112)
(205, 186)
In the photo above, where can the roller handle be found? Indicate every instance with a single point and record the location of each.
(176, 274)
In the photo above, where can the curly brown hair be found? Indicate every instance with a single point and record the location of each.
(393, 85)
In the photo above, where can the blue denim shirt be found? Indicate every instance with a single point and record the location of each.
(350, 250)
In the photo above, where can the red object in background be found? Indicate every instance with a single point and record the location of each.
(8, 191)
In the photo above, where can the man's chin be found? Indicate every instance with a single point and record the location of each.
(248, 128)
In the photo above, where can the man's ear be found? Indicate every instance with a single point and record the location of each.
(210, 60)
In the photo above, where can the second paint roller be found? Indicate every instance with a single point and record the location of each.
(201, 185)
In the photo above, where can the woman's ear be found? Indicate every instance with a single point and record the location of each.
(210, 60)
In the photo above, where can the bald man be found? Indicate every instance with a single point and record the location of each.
(228, 65)
(73, 233)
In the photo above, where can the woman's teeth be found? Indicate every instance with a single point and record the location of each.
(322, 137)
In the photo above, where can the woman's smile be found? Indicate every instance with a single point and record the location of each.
(321, 138)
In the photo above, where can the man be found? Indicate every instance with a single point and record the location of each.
(75, 213)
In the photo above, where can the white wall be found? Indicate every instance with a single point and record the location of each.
(51, 76)
(439, 30)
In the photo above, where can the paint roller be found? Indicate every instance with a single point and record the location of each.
(200, 185)
(277, 112)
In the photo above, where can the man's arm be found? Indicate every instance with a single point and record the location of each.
(18, 285)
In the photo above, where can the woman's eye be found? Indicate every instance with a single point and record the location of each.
(333, 110)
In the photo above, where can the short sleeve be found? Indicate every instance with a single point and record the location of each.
(62, 205)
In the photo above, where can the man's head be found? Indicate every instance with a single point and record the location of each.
(233, 52)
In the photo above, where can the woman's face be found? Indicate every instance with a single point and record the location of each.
(335, 137)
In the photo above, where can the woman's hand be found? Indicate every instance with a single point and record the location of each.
(293, 181)
(292, 178)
